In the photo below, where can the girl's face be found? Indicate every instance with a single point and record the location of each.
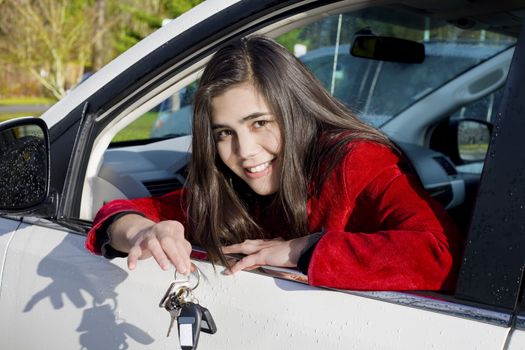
(248, 137)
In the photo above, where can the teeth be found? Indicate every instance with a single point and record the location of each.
(259, 168)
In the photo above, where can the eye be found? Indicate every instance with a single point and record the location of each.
(222, 134)
(260, 123)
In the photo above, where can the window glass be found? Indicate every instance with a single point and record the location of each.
(380, 90)
(473, 141)
(171, 118)
(473, 138)
(484, 109)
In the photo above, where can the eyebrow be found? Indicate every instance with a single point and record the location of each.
(245, 119)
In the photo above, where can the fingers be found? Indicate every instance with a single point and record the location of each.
(249, 262)
(164, 241)
(134, 253)
(158, 253)
(178, 255)
(247, 247)
(273, 252)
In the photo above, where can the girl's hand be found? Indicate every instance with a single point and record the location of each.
(273, 252)
(143, 238)
(164, 241)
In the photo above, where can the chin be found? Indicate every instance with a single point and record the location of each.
(264, 191)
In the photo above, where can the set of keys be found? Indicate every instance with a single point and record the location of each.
(185, 310)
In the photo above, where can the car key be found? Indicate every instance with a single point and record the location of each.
(174, 314)
(172, 303)
(189, 325)
(207, 323)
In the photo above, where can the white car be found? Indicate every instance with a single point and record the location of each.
(56, 171)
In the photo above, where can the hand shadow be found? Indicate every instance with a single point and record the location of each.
(73, 270)
(100, 322)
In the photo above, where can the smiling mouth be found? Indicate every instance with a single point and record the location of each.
(259, 168)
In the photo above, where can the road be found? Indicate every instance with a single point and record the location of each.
(29, 109)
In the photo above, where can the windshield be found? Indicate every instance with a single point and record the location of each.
(378, 90)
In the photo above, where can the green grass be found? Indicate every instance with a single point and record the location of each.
(23, 101)
(473, 151)
(140, 129)
(4, 117)
(15, 101)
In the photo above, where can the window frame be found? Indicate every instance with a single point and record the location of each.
(492, 273)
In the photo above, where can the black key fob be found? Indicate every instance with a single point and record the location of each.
(207, 323)
(189, 325)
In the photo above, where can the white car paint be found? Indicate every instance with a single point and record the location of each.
(7, 231)
(66, 298)
(517, 340)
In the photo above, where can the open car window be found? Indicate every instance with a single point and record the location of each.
(376, 90)
(170, 118)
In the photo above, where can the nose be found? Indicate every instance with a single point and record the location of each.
(247, 146)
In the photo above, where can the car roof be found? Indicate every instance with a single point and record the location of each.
(504, 16)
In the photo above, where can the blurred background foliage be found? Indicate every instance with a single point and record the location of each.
(49, 46)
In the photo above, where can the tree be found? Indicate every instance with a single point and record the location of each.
(98, 56)
(138, 18)
(48, 38)
(55, 40)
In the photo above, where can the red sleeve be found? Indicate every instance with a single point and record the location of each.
(409, 243)
(171, 206)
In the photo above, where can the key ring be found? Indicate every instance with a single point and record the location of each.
(183, 281)
(196, 272)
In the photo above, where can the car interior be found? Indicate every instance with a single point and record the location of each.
(439, 111)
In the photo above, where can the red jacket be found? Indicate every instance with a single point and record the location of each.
(383, 231)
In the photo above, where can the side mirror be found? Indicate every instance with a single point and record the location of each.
(473, 140)
(24, 164)
(385, 48)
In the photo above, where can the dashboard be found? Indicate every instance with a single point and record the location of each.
(159, 167)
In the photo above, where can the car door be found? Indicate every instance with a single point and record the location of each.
(498, 220)
(517, 335)
(54, 292)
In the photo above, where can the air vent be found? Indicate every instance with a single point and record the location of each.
(446, 165)
(160, 187)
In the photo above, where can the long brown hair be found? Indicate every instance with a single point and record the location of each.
(315, 129)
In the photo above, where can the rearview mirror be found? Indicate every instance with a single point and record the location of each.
(385, 48)
(24, 164)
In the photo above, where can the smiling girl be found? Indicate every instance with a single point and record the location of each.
(286, 175)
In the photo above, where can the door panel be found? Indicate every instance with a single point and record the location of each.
(7, 228)
(58, 294)
(517, 340)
